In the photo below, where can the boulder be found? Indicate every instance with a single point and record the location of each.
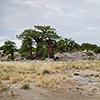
(49, 60)
(80, 79)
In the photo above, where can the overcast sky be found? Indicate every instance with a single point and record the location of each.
(76, 19)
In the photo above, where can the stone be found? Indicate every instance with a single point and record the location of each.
(78, 88)
(80, 79)
(94, 89)
(91, 94)
(75, 56)
(76, 74)
(49, 60)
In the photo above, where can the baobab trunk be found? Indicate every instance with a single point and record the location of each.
(51, 52)
(31, 56)
(39, 52)
(12, 55)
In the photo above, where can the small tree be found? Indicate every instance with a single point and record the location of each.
(9, 47)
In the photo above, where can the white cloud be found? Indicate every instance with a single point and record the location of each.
(90, 28)
(27, 2)
(3, 37)
(1, 44)
(93, 1)
(55, 8)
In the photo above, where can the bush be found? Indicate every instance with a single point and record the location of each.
(42, 58)
(25, 86)
(25, 55)
(89, 54)
(56, 58)
(90, 58)
(8, 57)
(97, 50)
(2, 55)
(46, 71)
(96, 75)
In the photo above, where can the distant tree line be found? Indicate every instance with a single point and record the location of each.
(43, 42)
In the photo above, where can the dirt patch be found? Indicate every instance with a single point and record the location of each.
(35, 93)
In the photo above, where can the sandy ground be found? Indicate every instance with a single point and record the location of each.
(79, 91)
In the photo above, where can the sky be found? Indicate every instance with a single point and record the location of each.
(76, 19)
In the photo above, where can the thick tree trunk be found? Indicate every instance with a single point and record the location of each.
(31, 55)
(39, 52)
(12, 55)
(51, 53)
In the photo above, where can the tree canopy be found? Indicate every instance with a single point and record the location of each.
(9, 47)
(42, 36)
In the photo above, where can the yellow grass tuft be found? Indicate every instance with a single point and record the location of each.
(12, 93)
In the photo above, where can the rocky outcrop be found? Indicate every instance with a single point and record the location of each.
(75, 56)
(17, 57)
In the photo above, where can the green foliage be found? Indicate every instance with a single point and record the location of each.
(87, 46)
(9, 48)
(89, 53)
(67, 45)
(56, 58)
(61, 45)
(8, 57)
(97, 50)
(90, 58)
(42, 58)
(25, 86)
(2, 55)
(43, 37)
(25, 55)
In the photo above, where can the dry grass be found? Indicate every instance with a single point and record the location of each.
(41, 73)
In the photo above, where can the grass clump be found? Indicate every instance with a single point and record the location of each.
(46, 71)
(26, 86)
(96, 75)
(12, 93)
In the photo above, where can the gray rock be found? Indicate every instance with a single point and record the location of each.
(91, 94)
(94, 89)
(78, 88)
(80, 79)
(49, 60)
(75, 56)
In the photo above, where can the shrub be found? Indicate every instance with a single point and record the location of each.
(90, 58)
(89, 54)
(56, 58)
(46, 71)
(42, 58)
(96, 75)
(2, 55)
(97, 50)
(25, 86)
(12, 93)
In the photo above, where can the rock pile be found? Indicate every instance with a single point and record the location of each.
(74, 56)
(78, 55)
